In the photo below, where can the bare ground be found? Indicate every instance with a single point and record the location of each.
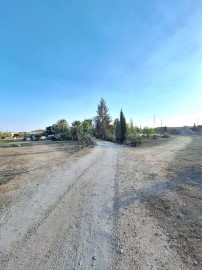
(112, 207)
(159, 207)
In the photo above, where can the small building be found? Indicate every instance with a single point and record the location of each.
(38, 131)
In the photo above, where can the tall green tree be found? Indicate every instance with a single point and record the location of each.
(62, 125)
(116, 127)
(76, 130)
(102, 120)
(123, 127)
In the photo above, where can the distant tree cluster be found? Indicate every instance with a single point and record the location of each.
(79, 130)
(102, 127)
(118, 131)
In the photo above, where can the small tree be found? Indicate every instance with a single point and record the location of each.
(86, 132)
(87, 126)
(148, 131)
(76, 130)
(49, 130)
(62, 124)
(131, 128)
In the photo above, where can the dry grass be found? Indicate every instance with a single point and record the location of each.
(179, 212)
(36, 158)
(34, 155)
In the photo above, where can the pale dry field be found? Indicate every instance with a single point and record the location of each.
(24, 166)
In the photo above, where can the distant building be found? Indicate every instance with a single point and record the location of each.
(38, 131)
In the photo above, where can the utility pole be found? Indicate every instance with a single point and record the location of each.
(161, 127)
(154, 120)
(197, 124)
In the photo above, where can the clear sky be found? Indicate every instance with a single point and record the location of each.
(58, 58)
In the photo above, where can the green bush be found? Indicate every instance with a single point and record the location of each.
(148, 131)
(3, 137)
(135, 138)
(139, 139)
(110, 137)
(131, 136)
(86, 139)
(38, 136)
(66, 136)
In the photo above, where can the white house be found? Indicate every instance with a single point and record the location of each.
(38, 131)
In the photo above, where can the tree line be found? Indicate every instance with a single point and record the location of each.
(117, 130)
(79, 130)
(101, 126)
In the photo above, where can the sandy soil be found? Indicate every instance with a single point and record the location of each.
(158, 201)
(111, 207)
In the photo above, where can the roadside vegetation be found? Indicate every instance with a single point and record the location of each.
(119, 130)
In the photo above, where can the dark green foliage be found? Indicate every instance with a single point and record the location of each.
(60, 127)
(86, 132)
(117, 129)
(123, 127)
(76, 130)
(102, 120)
(82, 131)
(37, 136)
(50, 130)
(110, 136)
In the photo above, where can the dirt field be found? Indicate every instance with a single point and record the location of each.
(159, 221)
(111, 207)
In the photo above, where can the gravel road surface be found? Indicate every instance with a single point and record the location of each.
(76, 216)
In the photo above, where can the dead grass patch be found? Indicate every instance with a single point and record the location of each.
(179, 211)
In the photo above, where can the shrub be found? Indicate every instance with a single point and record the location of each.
(131, 136)
(135, 139)
(110, 137)
(86, 139)
(148, 131)
(65, 136)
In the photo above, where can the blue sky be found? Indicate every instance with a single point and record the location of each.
(58, 58)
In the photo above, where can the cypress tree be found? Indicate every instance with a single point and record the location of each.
(123, 127)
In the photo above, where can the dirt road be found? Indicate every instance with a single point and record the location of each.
(91, 213)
